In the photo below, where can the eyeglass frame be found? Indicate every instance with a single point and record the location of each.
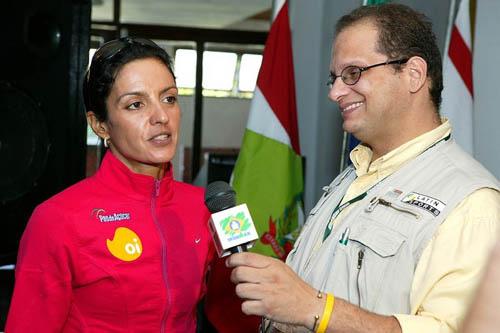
(333, 77)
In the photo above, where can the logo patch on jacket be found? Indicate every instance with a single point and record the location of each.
(101, 215)
(126, 245)
(433, 206)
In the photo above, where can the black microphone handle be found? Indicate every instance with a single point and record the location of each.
(239, 248)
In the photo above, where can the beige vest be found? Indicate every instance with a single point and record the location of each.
(371, 254)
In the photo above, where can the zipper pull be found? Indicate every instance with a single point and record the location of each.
(373, 203)
(361, 255)
(157, 188)
(389, 204)
(385, 203)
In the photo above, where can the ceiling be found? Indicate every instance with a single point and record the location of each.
(214, 14)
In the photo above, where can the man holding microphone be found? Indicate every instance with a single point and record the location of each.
(398, 241)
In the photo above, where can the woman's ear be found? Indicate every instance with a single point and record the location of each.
(100, 128)
(417, 71)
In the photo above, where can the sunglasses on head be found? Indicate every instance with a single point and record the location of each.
(112, 48)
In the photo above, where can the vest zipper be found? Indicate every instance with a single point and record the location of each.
(361, 255)
(156, 194)
(399, 209)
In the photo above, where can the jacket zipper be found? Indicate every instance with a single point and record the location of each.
(361, 255)
(399, 209)
(156, 194)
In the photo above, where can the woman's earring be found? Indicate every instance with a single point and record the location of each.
(106, 142)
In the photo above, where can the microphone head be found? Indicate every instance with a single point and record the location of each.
(219, 195)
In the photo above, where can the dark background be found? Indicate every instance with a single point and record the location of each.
(43, 127)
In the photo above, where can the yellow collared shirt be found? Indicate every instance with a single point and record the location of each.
(451, 265)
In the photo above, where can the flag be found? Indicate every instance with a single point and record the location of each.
(268, 174)
(458, 92)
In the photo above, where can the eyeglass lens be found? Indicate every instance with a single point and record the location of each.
(350, 75)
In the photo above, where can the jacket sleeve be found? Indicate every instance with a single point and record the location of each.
(451, 266)
(42, 291)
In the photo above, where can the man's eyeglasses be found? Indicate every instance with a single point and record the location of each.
(351, 74)
(112, 48)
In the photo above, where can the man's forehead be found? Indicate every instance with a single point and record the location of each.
(362, 34)
(355, 45)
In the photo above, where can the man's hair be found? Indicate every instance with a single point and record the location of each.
(402, 34)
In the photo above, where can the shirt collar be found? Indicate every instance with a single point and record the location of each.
(119, 178)
(385, 165)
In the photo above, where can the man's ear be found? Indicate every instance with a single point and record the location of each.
(417, 71)
(100, 128)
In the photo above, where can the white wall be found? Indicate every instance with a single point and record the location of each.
(224, 121)
(486, 85)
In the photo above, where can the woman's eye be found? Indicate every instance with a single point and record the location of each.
(170, 99)
(134, 106)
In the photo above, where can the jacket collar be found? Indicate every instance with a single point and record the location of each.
(119, 178)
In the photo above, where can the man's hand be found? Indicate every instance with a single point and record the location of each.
(271, 289)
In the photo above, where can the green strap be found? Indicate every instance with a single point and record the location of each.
(337, 210)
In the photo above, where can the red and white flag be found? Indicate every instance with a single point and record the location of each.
(268, 174)
(458, 92)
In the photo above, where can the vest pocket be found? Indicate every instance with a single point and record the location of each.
(373, 254)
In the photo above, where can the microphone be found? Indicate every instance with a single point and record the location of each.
(231, 226)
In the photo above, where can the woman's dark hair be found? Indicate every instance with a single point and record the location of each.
(107, 62)
(403, 33)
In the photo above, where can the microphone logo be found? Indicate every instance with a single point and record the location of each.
(235, 226)
(231, 226)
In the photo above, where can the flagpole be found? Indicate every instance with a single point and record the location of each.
(343, 155)
(277, 4)
(451, 20)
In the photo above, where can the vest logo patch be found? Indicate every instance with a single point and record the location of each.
(101, 215)
(126, 245)
(433, 206)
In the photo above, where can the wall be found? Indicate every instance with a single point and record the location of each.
(320, 132)
(486, 86)
(224, 121)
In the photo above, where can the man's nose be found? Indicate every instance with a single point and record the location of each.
(337, 90)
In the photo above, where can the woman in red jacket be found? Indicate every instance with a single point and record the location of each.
(127, 249)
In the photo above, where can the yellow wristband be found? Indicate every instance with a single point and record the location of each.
(327, 313)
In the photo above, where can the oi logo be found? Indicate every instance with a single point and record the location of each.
(126, 245)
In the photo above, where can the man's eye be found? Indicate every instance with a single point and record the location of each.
(351, 72)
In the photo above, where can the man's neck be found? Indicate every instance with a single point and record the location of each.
(386, 144)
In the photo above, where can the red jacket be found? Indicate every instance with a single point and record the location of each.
(117, 252)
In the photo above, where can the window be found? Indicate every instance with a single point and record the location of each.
(185, 68)
(249, 70)
(225, 74)
(218, 70)
(92, 139)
